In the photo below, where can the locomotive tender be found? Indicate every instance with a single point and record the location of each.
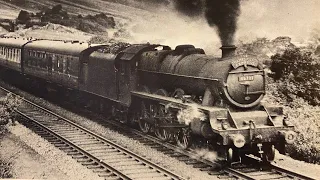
(159, 88)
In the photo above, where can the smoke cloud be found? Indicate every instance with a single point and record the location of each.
(221, 14)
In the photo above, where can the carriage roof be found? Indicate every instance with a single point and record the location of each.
(13, 42)
(59, 47)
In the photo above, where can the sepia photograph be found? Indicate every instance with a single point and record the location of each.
(159, 89)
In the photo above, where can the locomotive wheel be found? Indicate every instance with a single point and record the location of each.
(269, 154)
(183, 138)
(146, 113)
(178, 93)
(162, 133)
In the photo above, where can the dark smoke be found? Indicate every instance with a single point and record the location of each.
(222, 14)
(189, 7)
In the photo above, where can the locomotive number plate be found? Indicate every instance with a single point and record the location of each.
(246, 78)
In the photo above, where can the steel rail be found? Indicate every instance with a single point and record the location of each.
(211, 166)
(166, 173)
(290, 172)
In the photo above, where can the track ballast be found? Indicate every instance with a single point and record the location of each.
(95, 152)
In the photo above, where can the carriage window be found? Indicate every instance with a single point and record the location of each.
(60, 68)
(36, 60)
(54, 62)
(65, 59)
(57, 62)
(16, 55)
(13, 54)
(7, 53)
(39, 62)
(44, 61)
(68, 65)
(49, 56)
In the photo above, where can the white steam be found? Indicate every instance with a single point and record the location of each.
(165, 26)
(206, 154)
(190, 114)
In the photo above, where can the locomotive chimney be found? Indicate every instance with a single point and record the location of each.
(228, 51)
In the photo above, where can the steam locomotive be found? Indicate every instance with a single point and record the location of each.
(177, 94)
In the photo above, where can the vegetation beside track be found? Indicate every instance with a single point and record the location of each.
(295, 84)
(8, 104)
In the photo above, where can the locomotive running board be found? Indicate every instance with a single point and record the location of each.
(173, 102)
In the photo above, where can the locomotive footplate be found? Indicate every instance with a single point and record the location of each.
(172, 102)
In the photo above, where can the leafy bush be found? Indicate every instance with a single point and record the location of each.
(8, 105)
(305, 118)
(298, 74)
(296, 86)
(5, 169)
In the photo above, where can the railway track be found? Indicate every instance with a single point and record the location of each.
(104, 157)
(270, 171)
(241, 171)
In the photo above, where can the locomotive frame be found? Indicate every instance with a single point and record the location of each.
(157, 88)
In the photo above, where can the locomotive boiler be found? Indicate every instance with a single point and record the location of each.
(180, 95)
(237, 81)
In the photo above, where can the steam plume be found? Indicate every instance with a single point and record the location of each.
(222, 14)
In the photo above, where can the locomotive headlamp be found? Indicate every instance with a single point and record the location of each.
(238, 140)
